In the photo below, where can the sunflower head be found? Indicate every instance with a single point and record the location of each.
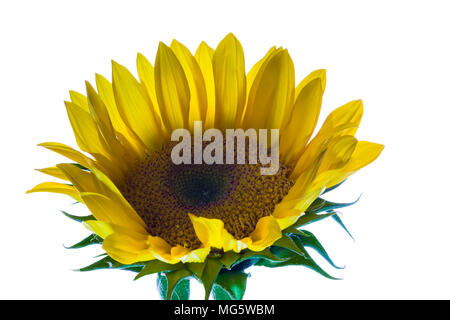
(210, 216)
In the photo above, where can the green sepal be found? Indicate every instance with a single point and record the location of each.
(92, 239)
(293, 258)
(156, 266)
(78, 218)
(339, 221)
(310, 217)
(196, 268)
(264, 254)
(228, 258)
(288, 243)
(80, 166)
(308, 239)
(250, 258)
(174, 285)
(295, 231)
(333, 187)
(209, 275)
(110, 263)
(247, 263)
(322, 205)
(230, 285)
(310, 263)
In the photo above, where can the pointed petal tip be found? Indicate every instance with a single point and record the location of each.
(230, 35)
(174, 42)
(88, 85)
(115, 65)
(162, 45)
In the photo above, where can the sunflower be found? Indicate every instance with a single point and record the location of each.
(207, 221)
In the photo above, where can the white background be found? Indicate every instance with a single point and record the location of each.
(393, 54)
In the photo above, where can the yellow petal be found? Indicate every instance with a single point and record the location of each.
(272, 93)
(56, 187)
(288, 218)
(100, 228)
(303, 183)
(82, 180)
(136, 108)
(102, 197)
(122, 154)
(208, 231)
(100, 115)
(303, 119)
(266, 232)
(194, 77)
(212, 233)
(123, 134)
(288, 211)
(257, 66)
(106, 210)
(342, 121)
(197, 255)
(79, 99)
(161, 250)
(230, 83)
(204, 56)
(67, 151)
(172, 89)
(232, 244)
(146, 74)
(54, 172)
(86, 133)
(338, 153)
(346, 117)
(364, 153)
(128, 247)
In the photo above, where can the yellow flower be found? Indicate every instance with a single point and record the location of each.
(146, 208)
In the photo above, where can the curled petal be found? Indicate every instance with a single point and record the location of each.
(266, 232)
(211, 232)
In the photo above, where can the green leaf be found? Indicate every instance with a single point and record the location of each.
(220, 293)
(286, 242)
(78, 218)
(210, 272)
(310, 240)
(110, 263)
(156, 266)
(230, 285)
(174, 285)
(228, 258)
(339, 221)
(321, 205)
(92, 239)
